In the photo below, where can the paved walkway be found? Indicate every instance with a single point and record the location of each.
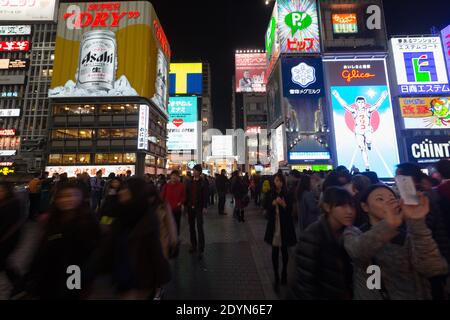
(237, 263)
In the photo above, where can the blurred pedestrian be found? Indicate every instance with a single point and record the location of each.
(34, 195)
(97, 185)
(308, 207)
(222, 188)
(239, 189)
(280, 231)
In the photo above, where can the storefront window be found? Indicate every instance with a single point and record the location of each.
(116, 158)
(69, 159)
(54, 159)
(131, 108)
(131, 133)
(103, 133)
(105, 108)
(71, 134)
(101, 158)
(84, 158)
(129, 158)
(116, 133)
(85, 134)
(58, 134)
(150, 160)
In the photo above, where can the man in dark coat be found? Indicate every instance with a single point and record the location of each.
(222, 187)
(197, 204)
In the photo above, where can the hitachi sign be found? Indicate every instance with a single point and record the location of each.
(428, 149)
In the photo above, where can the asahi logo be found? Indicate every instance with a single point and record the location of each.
(92, 57)
(429, 149)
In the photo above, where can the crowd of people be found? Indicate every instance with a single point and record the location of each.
(341, 223)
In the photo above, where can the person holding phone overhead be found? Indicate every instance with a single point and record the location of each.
(398, 241)
(280, 231)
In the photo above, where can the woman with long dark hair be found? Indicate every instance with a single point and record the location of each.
(280, 231)
(138, 263)
(70, 234)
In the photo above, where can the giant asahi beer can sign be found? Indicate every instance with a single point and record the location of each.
(110, 49)
(97, 61)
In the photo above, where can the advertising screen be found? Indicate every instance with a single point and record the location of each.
(186, 78)
(363, 117)
(251, 72)
(15, 30)
(428, 149)
(345, 23)
(305, 131)
(27, 10)
(274, 96)
(182, 125)
(445, 35)
(272, 41)
(14, 45)
(222, 146)
(144, 114)
(73, 171)
(426, 113)
(298, 25)
(9, 145)
(279, 144)
(420, 66)
(302, 77)
(9, 113)
(110, 49)
(6, 64)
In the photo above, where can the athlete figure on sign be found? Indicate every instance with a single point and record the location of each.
(362, 114)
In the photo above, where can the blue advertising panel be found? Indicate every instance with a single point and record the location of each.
(182, 125)
(362, 114)
(302, 77)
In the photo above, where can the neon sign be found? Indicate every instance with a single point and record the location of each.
(349, 75)
(14, 45)
(100, 17)
(161, 36)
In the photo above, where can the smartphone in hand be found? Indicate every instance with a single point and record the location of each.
(407, 189)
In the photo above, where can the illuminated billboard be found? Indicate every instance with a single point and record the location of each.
(302, 77)
(445, 34)
(274, 96)
(6, 64)
(222, 146)
(272, 41)
(345, 23)
(110, 49)
(428, 149)
(73, 171)
(420, 66)
(15, 30)
(306, 138)
(251, 72)
(426, 113)
(363, 118)
(12, 46)
(28, 10)
(182, 125)
(298, 26)
(186, 78)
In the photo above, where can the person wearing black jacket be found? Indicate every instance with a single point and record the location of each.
(197, 204)
(239, 189)
(70, 235)
(222, 186)
(11, 221)
(280, 231)
(323, 268)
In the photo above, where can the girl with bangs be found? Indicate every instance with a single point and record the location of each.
(324, 271)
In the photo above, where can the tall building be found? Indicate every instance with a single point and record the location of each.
(32, 71)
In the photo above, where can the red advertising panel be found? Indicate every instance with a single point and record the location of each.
(251, 72)
(14, 45)
(7, 132)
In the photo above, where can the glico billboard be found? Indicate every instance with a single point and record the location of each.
(362, 114)
(110, 49)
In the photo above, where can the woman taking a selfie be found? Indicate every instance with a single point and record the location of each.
(323, 267)
(398, 241)
(280, 232)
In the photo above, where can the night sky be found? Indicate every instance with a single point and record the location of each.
(213, 29)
